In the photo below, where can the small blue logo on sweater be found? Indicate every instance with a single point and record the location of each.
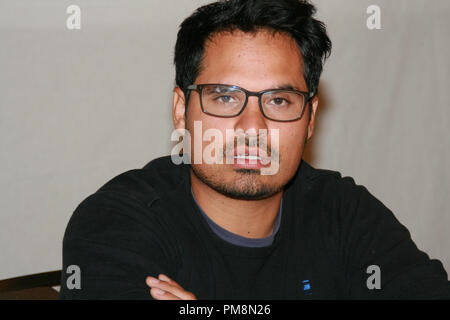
(306, 287)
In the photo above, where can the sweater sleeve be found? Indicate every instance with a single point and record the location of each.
(376, 244)
(116, 243)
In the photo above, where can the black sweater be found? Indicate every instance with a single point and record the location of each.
(145, 222)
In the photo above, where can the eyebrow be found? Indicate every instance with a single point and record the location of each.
(286, 86)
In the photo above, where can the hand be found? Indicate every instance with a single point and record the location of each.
(165, 288)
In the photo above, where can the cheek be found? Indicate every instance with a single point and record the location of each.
(207, 137)
(292, 142)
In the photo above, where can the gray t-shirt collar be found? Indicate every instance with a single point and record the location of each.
(237, 239)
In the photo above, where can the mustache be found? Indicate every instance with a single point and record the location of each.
(258, 141)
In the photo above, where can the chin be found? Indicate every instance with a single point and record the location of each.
(242, 184)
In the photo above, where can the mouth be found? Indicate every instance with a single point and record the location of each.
(247, 157)
(251, 159)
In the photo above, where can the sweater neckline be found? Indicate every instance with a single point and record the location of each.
(238, 239)
(226, 247)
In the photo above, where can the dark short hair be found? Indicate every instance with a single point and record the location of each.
(293, 17)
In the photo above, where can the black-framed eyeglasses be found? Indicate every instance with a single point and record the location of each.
(227, 101)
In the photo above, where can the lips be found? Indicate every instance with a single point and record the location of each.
(247, 155)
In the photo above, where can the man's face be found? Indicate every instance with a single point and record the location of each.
(255, 62)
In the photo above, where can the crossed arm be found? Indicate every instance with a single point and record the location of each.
(117, 248)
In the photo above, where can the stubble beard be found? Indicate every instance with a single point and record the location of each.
(246, 185)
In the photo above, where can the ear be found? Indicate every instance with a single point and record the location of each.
(178, 109)
(315, 103)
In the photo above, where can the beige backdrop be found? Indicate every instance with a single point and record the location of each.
(78, 107)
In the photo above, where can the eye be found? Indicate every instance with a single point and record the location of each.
(278, 101)
(224, 99)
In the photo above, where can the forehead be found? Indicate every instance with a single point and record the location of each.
(262, 56)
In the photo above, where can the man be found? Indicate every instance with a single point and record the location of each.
(223, 230)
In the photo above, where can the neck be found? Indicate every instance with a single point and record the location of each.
(247, 218)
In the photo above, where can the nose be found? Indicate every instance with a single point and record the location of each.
(251, 117)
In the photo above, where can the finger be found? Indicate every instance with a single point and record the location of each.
(175, 290)
(163, 277)
(168, 287)
(159, 294)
